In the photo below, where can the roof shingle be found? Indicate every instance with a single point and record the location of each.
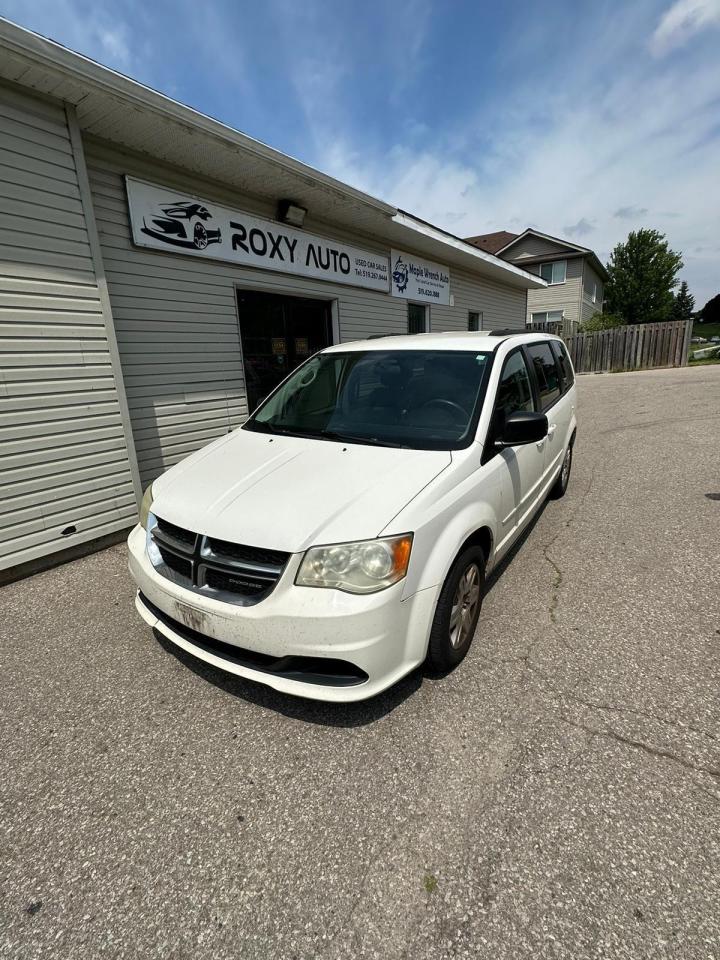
(492, 242)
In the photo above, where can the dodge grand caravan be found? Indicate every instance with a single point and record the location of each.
(342, 535)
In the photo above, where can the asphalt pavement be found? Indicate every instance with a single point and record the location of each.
(556, 796)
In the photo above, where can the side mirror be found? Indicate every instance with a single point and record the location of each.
(523, 427)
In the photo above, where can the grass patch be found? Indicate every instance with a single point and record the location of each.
(430, 882)
(706, 330)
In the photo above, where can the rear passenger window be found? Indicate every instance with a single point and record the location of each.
(566, 371)
(546, 373)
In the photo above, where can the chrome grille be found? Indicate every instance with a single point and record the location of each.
(232, 572)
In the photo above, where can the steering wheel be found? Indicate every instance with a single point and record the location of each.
(447, 406)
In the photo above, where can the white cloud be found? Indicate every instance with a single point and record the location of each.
(622, 142)
(682, 21)
(630, 212)
(115, 44)
(99, 33)
(579, 229)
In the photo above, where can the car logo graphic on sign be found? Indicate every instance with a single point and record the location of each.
(401, 275)
(183, 224)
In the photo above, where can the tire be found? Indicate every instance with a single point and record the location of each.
(561, 484)
(449, 642)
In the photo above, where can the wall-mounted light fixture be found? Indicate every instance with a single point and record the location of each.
(291, 213)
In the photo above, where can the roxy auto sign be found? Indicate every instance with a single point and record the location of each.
(172, 221)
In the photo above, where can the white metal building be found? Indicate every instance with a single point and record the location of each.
(159, 272)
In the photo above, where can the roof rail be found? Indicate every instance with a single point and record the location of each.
(504, 333)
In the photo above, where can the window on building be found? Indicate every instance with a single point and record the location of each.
(554, 272)
(475, 319)
(546, 373)
(417, 318)
(547, 319)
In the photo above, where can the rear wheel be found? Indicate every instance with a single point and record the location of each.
(561, 484)
(457, 611)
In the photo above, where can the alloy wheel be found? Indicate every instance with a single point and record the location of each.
(464, 606)
(565, 475)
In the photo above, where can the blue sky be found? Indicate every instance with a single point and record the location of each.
(584, 119)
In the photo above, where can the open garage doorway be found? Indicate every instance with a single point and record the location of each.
(279, 332)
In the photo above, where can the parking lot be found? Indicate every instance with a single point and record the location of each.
(558, 795)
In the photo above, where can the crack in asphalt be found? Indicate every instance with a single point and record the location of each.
(610, 731)
(558, 575)
(657, 752)
(565, 695)
(614, 708)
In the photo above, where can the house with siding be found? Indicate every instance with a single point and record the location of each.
(574, 275)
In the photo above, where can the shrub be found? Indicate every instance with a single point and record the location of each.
(600, 321)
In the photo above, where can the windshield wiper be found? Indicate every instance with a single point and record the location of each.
(264, 426)
(351, 438)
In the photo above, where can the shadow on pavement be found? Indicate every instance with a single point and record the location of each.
(298, 708)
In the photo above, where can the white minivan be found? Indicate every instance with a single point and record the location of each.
(342, 535)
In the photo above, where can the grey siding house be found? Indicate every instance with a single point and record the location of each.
(574, 275)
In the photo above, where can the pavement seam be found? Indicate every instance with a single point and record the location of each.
(656, 752)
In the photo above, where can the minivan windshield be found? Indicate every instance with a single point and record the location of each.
(421, 399)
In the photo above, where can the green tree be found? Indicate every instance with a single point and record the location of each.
(684, 303)
(710, 313)
(643, 272)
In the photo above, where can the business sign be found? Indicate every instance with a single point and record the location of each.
(170, 220)
(416, 279)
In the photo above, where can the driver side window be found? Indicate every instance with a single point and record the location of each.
(514, 390)
(514, 393)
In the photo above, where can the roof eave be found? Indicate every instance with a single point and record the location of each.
(578, 250)
(486, 263)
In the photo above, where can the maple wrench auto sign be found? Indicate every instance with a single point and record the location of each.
(417, 279)
(172, 221)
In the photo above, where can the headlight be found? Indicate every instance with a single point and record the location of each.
(363, 567)
(145, 507)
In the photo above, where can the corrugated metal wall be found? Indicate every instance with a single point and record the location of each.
(63, 457)
(176, 317)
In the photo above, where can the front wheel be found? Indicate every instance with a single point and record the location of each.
(561, 484)
(457, 611)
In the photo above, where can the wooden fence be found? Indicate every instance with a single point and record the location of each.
(635, 347)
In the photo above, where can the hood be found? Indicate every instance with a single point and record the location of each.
(288, 493)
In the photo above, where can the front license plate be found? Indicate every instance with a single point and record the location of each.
(192, 617)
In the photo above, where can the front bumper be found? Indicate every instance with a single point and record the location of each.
(381, 635)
